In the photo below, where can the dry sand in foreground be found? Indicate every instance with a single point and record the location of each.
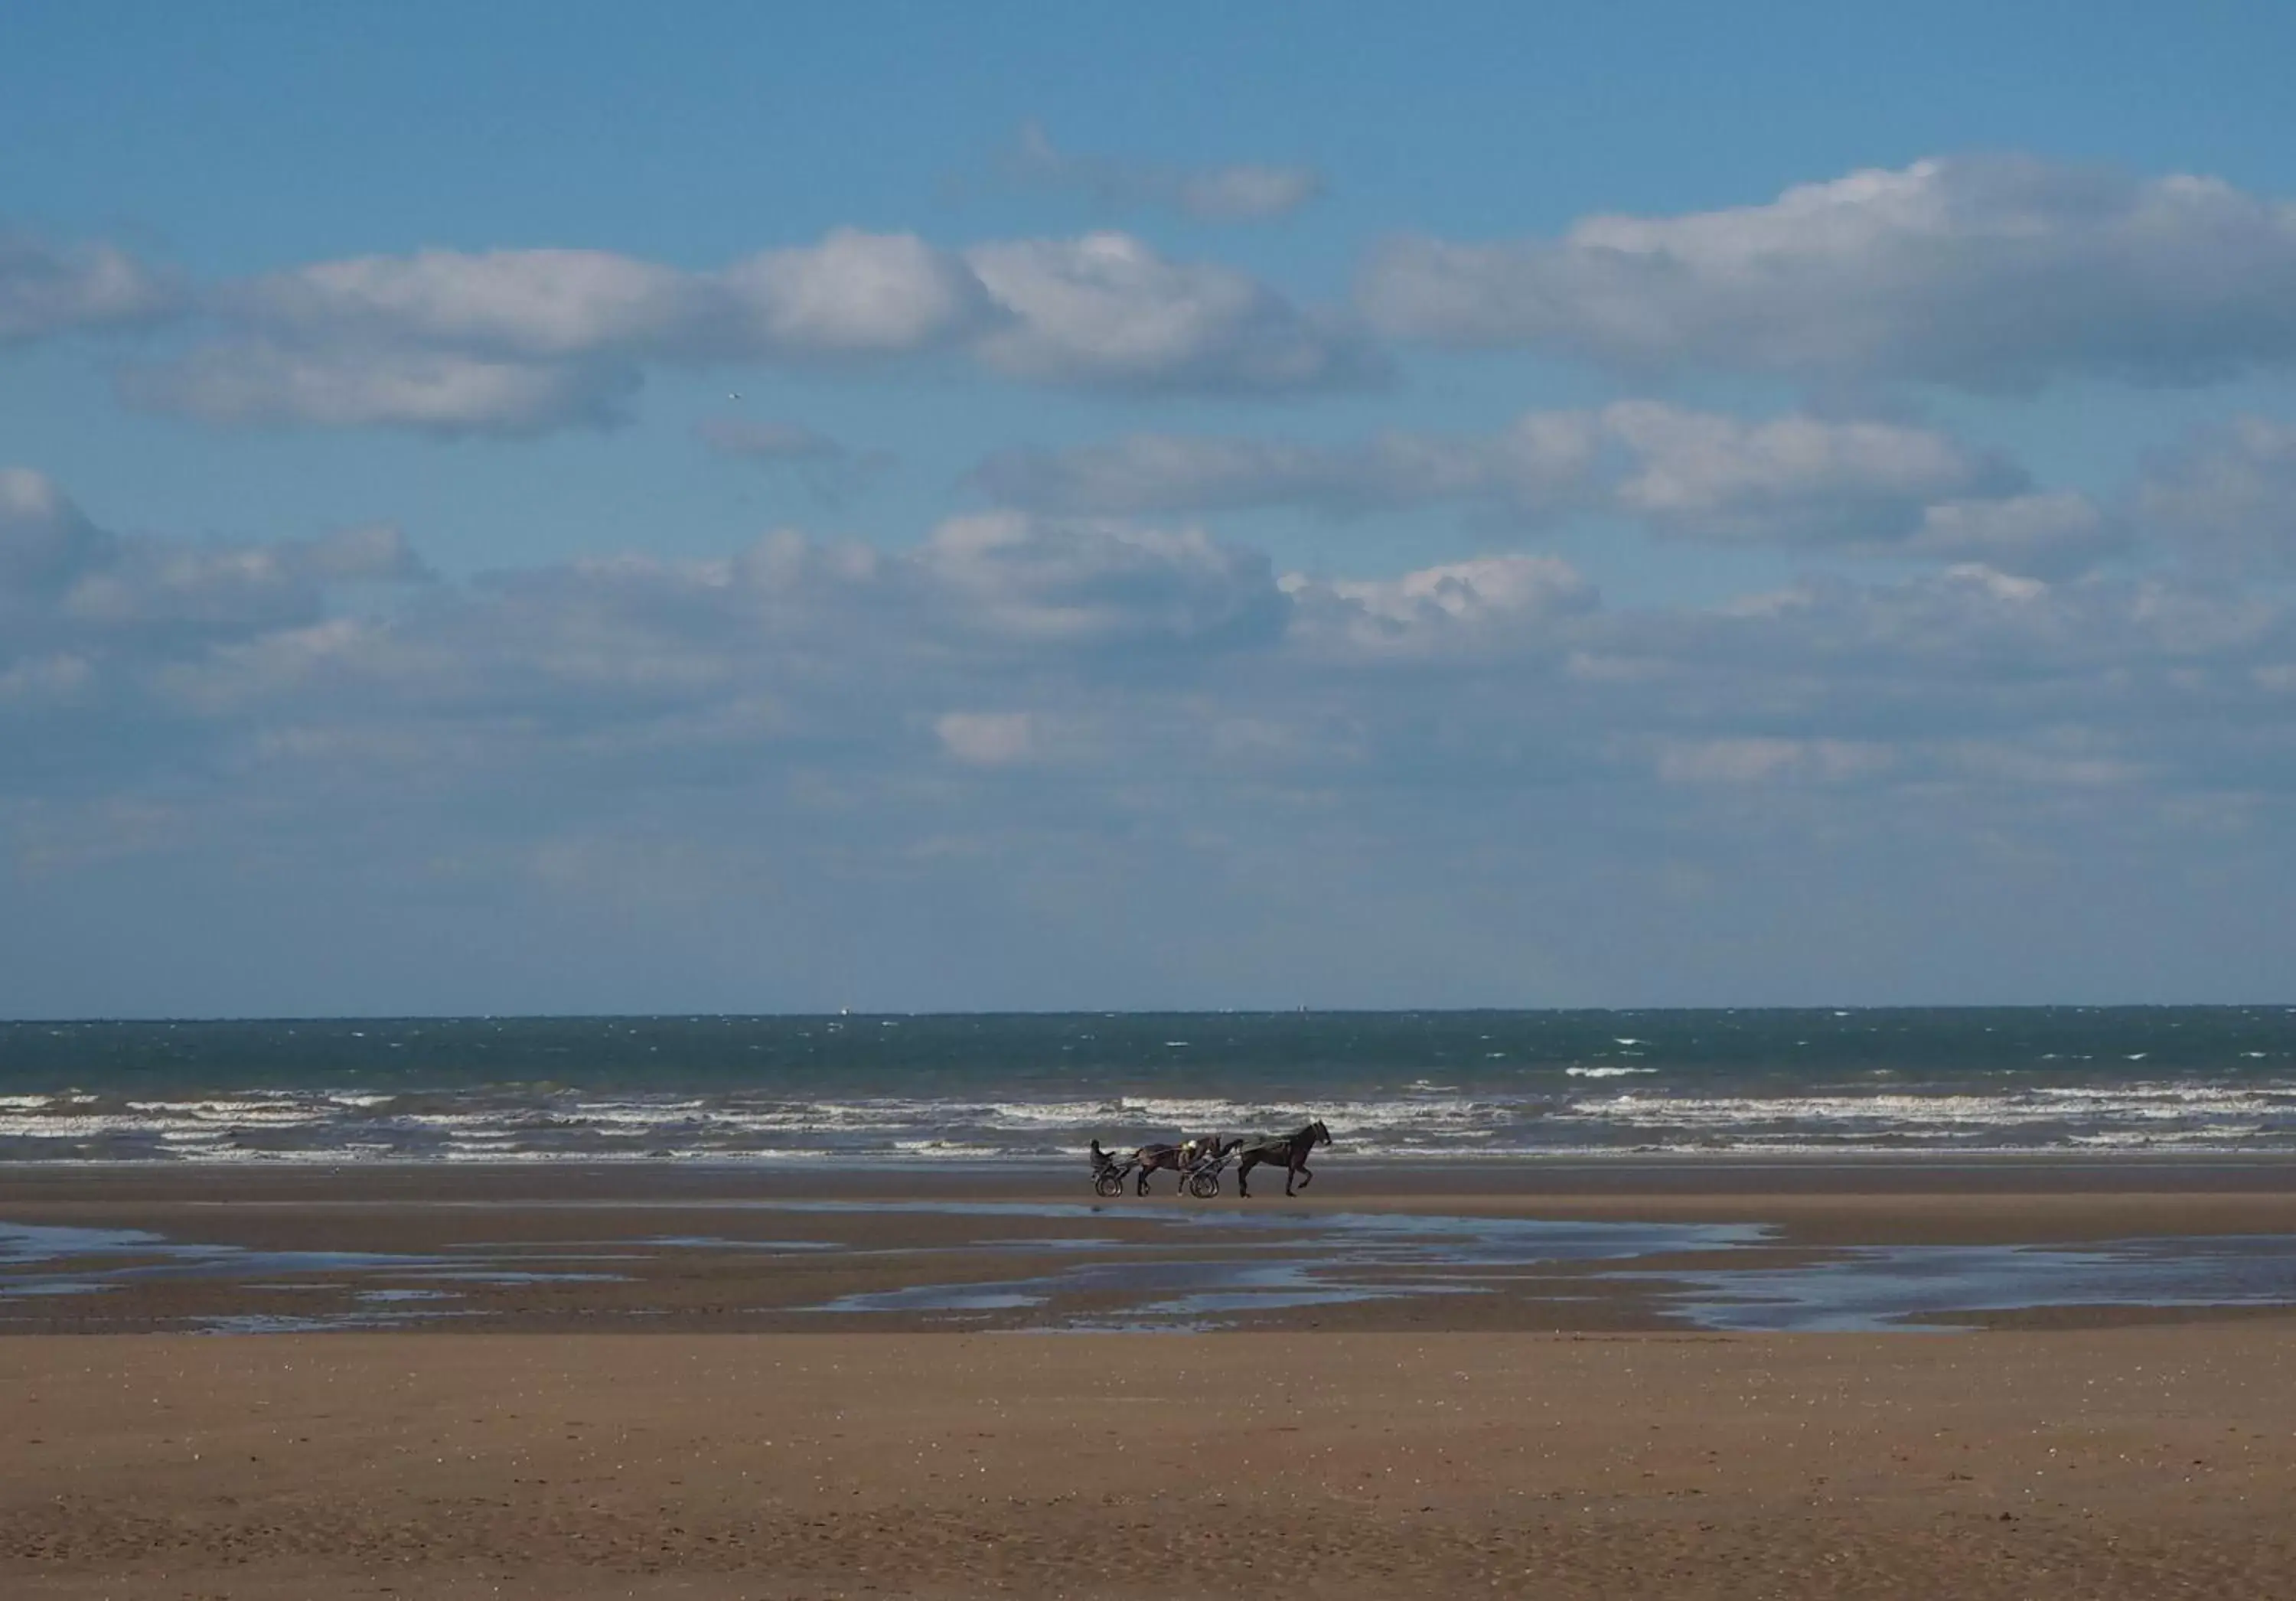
(2137, 1462)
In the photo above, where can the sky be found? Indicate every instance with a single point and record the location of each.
(719, 508)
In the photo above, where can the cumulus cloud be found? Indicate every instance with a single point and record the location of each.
(234, 587)
(852, 293)
(426, 390)
(1107, 309)
(79, 600)
(856, 295)
(525, 341)
(1245, 192)
(2056, 533)
(48, 289)
(1862, 486)
(2229, 500)
(1452, 609)
(1201, 738)
(521, 342)
(529, 304)
(991, 629)
(1984, 272)
(1791, 479)
(1030, 581)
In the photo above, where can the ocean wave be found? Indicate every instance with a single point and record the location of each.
(2113, 1105)
(540, 1123)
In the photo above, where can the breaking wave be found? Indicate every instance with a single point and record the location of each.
(499, 1123)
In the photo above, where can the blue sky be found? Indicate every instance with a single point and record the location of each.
(574, 507)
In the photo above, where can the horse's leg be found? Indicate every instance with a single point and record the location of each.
(1243, 1165)
(1307, 1177)
(1140, 1185)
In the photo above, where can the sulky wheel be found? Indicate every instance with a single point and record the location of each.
(1203, 1187)
(1108, 1184)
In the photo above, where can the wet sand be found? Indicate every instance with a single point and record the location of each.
(1549, 1247)
(682, 1426)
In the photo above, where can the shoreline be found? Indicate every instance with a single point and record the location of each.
(1716, 1172)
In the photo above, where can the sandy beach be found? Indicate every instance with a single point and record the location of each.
(664, 1408)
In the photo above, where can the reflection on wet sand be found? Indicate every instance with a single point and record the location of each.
(1178, 1270)
(1884, 1288)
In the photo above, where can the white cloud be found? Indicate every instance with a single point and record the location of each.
(47, 289)
(1504, 586)
(2056, 533)
(2229, 499)
(531, 304)
(1455, 608)
(837, 722)
(236, 586)
(1032, 581)
(1107, 309)
(1245, 192)
(1710, 476)
(527, 341)
(71, 588)
(426, 390)
(1982, 272)
(853, 294)
(1861, 487)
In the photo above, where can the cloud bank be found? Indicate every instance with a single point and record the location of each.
(769, 766)
(1010, 635)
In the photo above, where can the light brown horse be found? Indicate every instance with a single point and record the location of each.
(1290, 1150)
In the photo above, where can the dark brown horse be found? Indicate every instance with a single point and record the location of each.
(1290, 1150)
(1179, 1158)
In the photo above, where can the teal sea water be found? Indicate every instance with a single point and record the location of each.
(1455, 1084)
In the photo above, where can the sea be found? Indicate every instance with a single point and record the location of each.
(974, 1088)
